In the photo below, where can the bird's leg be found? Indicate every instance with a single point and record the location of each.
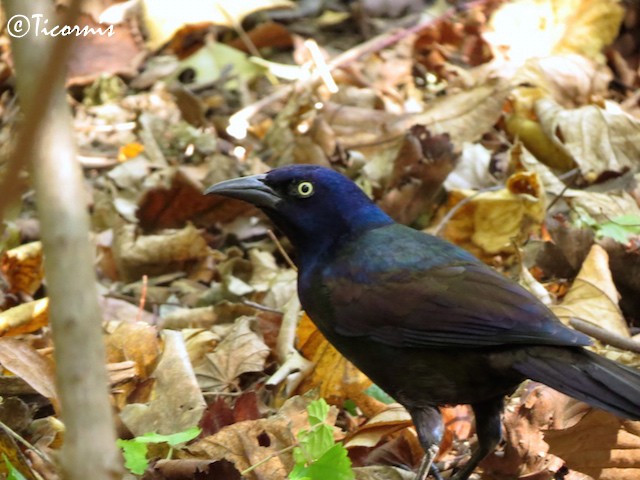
(489, 432)
(428, 423)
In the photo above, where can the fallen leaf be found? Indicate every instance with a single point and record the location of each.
(593, 296)
(598, 139)
(491, 220)
(25, 362)
(264, 443)
(241, 351)
(25, 318)
(600, 445)
(334, 376)
(177, 402)
(136, 255)
(23, 268)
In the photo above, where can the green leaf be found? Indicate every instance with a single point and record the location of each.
(620, 228)
(172, 439)
(317, 411)
(350, 406)
(318, 441)
(333, 465)
(379, 394)
(135, 455)
(14, 474)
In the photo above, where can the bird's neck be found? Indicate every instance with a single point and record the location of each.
(330, 232)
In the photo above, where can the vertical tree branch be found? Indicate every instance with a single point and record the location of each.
(46, 142)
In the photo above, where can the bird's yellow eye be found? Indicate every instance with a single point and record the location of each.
(305, 189)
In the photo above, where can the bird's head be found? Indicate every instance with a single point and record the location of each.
(314, 206)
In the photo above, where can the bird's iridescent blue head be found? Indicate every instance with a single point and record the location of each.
(314, 206)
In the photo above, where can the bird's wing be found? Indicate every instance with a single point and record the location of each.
(463, 304)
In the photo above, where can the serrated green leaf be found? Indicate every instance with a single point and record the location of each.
(379, 394)
(317, 411)
(333, 465)
(135, 455)
(172, 439)
(318, 441)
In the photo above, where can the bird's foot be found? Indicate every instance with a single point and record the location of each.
(427, 467)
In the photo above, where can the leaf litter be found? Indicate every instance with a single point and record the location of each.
(505, 127)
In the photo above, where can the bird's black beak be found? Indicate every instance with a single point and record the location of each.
(251, 189)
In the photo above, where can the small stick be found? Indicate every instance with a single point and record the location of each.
(286, 256)
(610, 338)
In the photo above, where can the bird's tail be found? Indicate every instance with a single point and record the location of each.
(586, 376)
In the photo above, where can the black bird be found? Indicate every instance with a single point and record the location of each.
(425, 320)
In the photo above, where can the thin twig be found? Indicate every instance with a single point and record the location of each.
(24, 442)
(606, 336)
(286, 256)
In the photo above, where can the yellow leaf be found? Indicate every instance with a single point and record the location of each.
(336, 378)
(25, 318)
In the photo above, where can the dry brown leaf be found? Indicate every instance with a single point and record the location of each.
(334, 376)
(25, 318)
(22, 266)
(571, 80)
(393, 418)
(25, 362)
(136, 255)
(598, 139)
(135, 341)
(525, 454)
(265, 440)
(177, 402)
(419, 169)
(599, 445)
(241, 351)
(593, 296)
(465, 116)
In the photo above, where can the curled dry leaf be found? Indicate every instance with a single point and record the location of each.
(25, 318)
(593, 296)
(525, 454)
(23, 269)
(241, 351)
(598, 139)
(138, 343)
(155, 254)
(177, 402)
(423, 163)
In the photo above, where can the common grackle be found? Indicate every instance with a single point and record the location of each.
(425, 320)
